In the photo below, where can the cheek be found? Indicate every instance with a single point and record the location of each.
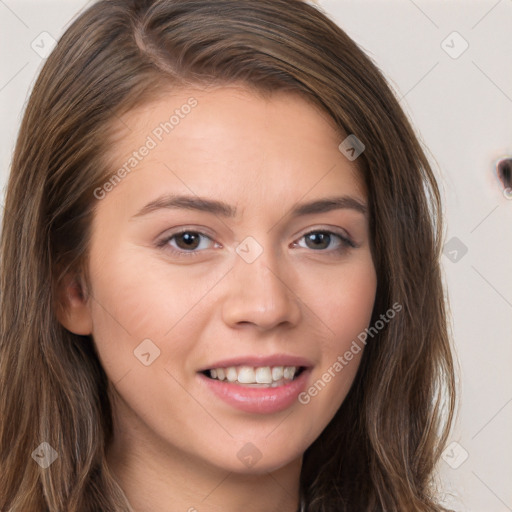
(343, 300)
(152, 295)
(349, 305)
(136, 298)
(344, 311)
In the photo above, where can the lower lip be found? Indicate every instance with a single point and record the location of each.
(258, 400)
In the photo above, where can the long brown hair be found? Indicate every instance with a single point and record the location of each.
(380, 450)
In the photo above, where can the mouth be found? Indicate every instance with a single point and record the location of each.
(255, 376)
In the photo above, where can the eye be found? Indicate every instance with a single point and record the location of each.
(185, 243)
(323, 239)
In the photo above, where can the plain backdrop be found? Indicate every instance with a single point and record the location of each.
(450, 63)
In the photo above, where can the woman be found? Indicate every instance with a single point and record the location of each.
(220, 272)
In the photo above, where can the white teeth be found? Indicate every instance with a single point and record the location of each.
(231, 374)
(277, 373)
(246, 375)
(263, 375)
(289, 372)
(255, 375)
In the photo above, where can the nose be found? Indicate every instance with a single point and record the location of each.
(258, 294)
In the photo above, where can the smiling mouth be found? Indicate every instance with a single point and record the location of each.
(255, 376)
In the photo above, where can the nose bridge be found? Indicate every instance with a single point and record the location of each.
(259, 291)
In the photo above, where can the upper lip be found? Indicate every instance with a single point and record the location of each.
(259, 360)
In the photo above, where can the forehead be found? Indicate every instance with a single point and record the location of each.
(231, 140)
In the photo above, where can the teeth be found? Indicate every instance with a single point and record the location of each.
(264, 375)
(231, 374)
(254, 375)
(246, 375)
(289, 372)
(277, 373)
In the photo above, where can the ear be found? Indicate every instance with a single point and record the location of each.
(73, 310)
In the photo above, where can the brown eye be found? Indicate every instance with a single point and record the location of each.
(187, 240)
(318, 240)
(326, 241)
(185, 243)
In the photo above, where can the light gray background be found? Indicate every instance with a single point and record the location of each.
(462, 110)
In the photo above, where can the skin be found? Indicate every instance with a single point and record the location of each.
(175, 445)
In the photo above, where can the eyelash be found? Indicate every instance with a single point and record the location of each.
(345, 242)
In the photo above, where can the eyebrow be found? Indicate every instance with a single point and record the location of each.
(222, 209)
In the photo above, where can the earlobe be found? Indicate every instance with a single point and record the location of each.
(73, 310)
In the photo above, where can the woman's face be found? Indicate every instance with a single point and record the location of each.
(206, 256)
